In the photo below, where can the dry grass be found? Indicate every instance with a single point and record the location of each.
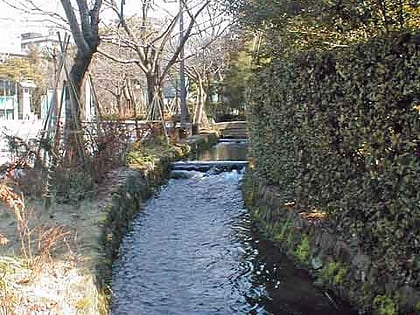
(46, 262)
(57, 289)
(50, 254)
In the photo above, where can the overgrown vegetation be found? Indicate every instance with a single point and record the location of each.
(333, 111)
(39, 242)
(290, 26)
(147, 156)
(235, 82)
(302, 251)
(333, 273)
(342, 130)
(385, 305)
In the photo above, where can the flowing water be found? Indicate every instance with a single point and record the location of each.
(194, 250)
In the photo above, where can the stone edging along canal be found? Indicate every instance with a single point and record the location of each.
(122, 196)
(336, 265)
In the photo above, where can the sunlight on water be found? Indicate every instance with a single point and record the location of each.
(194, 250)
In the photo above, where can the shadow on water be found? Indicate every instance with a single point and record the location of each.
(287, 289)
(194, 250)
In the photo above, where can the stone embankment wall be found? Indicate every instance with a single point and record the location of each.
(337, 132)
(125, 192)
(339, 266)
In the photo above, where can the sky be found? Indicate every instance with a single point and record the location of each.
(8, 14)
(132, 7)
(14, 22)
(9, 32)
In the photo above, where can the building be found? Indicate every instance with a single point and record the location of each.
(45, 43)
(16, 100)
(15, 97)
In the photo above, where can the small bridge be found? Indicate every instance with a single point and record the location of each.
(232, 129)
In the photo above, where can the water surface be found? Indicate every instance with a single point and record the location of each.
(226, 151)
(194, 250)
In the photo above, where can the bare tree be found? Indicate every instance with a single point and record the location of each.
(83, 21)
(120, 85)
(207, 59)
(157, 49)
(84, 25)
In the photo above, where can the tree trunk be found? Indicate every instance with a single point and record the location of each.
(154, 97)
(200, 117)
(74, 105)
(118, 97)
(128, 90)
(85, 31)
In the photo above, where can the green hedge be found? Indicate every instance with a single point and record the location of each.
(339, 131)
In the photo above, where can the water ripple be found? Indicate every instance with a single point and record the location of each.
(193, 251)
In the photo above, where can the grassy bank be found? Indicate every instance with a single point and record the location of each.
(59, 261)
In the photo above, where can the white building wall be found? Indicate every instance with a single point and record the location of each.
(26, 104)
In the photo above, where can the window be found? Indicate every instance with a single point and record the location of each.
(10, 114)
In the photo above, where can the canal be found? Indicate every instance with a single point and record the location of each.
(194, 250)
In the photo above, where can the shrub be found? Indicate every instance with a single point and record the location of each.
(339, 131)
(385, 305)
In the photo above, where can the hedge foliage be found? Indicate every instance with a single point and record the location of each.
(339, 131)
(298, 25)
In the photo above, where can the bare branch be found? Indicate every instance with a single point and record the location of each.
(123, 61)
(94, 15)
(74, 26)
(29, 7)
(183, 40)
(168, 30)
(114, 7)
